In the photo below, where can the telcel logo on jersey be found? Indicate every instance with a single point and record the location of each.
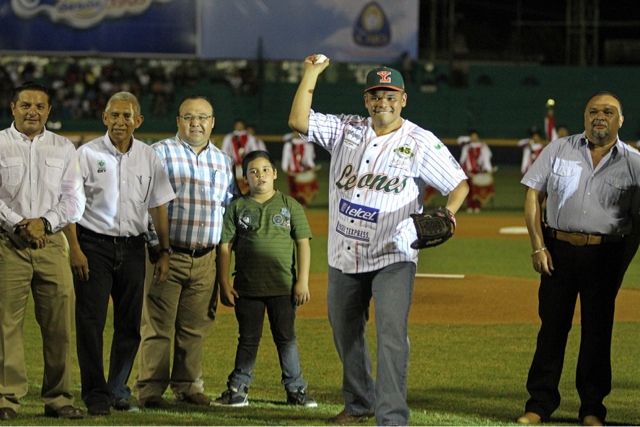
(356, 211)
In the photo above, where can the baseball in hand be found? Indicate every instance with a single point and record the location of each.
(319, 59)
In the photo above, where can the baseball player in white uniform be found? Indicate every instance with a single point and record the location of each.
(379, 169)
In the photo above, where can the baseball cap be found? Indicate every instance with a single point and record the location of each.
(384, 78)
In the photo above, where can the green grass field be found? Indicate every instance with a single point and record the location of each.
(458, 375)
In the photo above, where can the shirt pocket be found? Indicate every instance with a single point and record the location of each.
(615, 192)
(11, 171)
(564, 178)
(143, 188)
(53, 171)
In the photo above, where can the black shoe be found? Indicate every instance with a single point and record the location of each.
(68, 412)
(121, 404)
(7, 414)
(99, 409)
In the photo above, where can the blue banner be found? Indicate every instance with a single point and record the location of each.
(156, 27)
(345, 31)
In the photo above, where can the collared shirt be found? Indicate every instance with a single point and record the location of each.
(121, 187)
(375, 183)
(39, 178)
(204, 185)
(581, 198)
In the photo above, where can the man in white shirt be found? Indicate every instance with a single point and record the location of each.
(40, 193)
(125, 182)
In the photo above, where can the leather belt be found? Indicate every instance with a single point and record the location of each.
(195, 253)
(582, 239)
(115, 239)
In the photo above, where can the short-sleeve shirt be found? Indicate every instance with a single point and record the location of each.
(264, 245)
(204, 184)
(581, 198)
(121, 187)
(375, 183)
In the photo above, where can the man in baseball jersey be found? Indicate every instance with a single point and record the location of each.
(380, 166)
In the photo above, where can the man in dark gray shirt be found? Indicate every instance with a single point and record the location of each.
(591, 185)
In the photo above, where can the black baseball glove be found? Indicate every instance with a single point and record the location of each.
(433, 228)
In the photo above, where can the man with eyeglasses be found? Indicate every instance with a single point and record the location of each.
(182, 309)
(125, 183)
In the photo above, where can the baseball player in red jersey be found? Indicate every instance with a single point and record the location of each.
(380, 166)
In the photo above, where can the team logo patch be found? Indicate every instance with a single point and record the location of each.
(102, 166)
(404, 151)
(402, 157)
(353, 210)
(352, 137)
(280, 220)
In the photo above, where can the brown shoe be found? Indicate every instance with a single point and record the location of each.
(154, 402)
(7, 414)
(530, 418)
(68, 412)
(197, 399)
(592, 420)
(347, 419)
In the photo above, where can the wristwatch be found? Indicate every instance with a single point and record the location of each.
(47, 225)
(169, 251)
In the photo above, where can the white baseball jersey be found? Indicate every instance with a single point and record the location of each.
(375, 182)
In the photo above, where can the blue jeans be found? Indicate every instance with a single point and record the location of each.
(250, 316)
(348, 300)
(117, 270)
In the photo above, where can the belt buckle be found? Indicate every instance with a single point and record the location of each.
(193, 253)
(577, 239)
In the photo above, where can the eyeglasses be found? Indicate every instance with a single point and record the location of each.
(189, 118)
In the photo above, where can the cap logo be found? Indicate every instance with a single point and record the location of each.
(385, 76)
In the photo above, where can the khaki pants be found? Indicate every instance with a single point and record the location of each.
(180, 310)
(46, 273)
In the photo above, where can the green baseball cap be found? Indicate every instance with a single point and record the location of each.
(384, 78)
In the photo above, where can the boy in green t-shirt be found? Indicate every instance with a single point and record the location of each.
(264, 226)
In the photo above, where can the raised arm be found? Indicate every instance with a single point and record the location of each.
(301, 107)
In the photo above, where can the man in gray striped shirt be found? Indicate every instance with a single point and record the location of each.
(591, 185)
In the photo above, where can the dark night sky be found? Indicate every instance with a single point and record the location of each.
(489, 26)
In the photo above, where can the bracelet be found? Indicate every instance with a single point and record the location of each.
(537, 251)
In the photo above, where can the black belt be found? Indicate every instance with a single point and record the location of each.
(583, 239)
(114, 239)
(195, 253)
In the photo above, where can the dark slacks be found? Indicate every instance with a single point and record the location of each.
(592, 273)
(250, 315)
(116, 271)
